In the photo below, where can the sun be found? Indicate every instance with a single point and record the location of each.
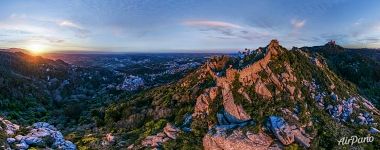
(36, 48)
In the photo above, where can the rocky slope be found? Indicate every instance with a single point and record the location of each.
(271, 98)
(39, 135)
(359, 66)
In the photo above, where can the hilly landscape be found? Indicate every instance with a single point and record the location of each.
(264, 98)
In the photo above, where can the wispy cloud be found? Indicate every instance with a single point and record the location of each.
(297, 23)
(43, 25)
(227, 30)
(211, 24)
(78, 29)
(67, 23)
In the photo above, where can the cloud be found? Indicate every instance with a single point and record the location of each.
(67, 23)
(78, 29)
(298, 24)
(227, 30)
(38, 25)
(370, 40)
(211, 24)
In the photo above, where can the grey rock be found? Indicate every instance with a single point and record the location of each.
(22, 146)
(281, 130)
(374, 130)
(221, 119)
(10, 128)
(33, 140)
(41, 125)
(19, 137)
(288, 134)
(171, 131)
(11, 140)
(237, 141)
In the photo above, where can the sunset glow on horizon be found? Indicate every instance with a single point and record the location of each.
(37, 49)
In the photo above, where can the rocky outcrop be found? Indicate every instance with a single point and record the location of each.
(155, 141)
(317, 62)
(287, 134)
(171, 131)
(246, 96)
(41, 134)
(289, 77)
(273, 78)
(249, 75)
(370, 106)
(9, 128)
(237, 141)
(216, 63)
(204, 100)
(373, 130)
(108, 139)
(230, 107)
(291, 89)
(262, 90)
(281, 130)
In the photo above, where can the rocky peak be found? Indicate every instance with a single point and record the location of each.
(274, 43)
(274, 47)
(218, 62)
(332, 46)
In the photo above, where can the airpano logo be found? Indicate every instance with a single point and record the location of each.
(355, 139)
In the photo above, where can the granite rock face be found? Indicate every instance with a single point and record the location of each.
(237, 141)
(231, 108)
(155, 141)
(9, 127)
(204, 100)
(261, 89)
(38, 135)
(287, 134)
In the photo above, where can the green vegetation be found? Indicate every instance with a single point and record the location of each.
(354, 66)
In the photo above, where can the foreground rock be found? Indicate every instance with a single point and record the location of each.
(42, 135)
(155, 141)
(237, 141)
(204, 100)
(8, 127)
(287, 134)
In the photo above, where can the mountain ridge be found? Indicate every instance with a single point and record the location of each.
(222, 102)
(268, 98)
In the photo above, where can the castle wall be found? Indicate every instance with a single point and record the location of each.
(249, 74)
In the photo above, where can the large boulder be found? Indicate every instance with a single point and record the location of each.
(237, 141)
(155, 141)
(374, 130)
(288, 134)
(281, 130)
(33, 140)
(38, 134)
(10, 128)
(204, 100)
(22, 146)
(233, 111)
(171, 131)
(11, 140)
(262, 90)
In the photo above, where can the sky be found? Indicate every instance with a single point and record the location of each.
(185, 25)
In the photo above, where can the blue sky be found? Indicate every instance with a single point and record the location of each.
(185, 25)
